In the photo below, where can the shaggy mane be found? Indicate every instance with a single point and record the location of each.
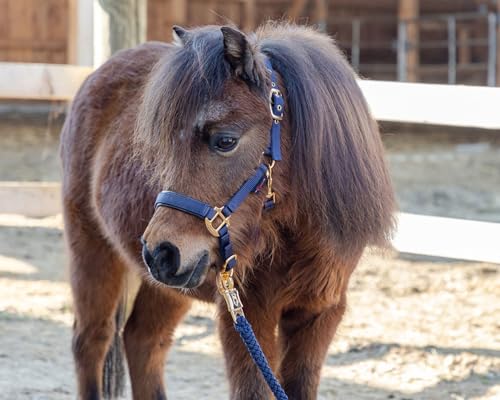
(340, 169)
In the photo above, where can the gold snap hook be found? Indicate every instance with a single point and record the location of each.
(269, 174)
(225, 284)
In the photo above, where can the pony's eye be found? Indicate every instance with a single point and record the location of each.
(223, 142)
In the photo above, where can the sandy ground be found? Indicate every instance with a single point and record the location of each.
(416, 328)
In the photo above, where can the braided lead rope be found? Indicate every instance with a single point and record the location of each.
(247, 335)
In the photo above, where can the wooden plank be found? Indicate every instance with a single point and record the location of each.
(250, 15)
(198, 13)
(72, 28)
(232, 13)
(20, 20)
(32, 30)
(32, 199)
(57, 19)
(179, 11)
(464, 47)
(41, 21)
(448, 237)
(4, 22)
(34, 44)
(19, 28)
(452, 105)
(40, 81)
(296, 9)
(209, 11)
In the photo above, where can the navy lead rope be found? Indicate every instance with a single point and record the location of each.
(248, 336)
(217, 222)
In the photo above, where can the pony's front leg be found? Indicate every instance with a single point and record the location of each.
(148, 336)
(245, 379)
(305, 339)
(96, 283)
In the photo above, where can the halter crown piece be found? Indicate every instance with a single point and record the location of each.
(217, 222)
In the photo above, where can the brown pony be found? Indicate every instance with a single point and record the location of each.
(193, 117)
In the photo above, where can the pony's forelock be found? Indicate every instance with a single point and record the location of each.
(185, 79)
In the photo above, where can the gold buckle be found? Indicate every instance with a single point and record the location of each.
(224, 266)
(269, 174)
(275, 92)
(225, 284)
(214, 231)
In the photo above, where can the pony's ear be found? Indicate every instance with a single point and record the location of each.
(180, 35)
(239, 54)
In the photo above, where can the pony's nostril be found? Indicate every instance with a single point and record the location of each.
(167, 256)
(164, 265)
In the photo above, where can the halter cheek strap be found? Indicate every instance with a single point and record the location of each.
(217, 223)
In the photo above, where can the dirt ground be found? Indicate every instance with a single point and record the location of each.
(416, 327)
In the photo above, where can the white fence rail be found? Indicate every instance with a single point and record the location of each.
(448, 237)
(32, 199)
(462, 106)
(452, 105)
(24, 81)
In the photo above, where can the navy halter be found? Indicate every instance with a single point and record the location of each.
(217, 222)
(217, 218)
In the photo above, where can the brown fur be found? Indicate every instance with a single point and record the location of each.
(140, 124)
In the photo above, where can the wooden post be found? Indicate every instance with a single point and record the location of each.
(464, 53)
(80, 45)
(118, 24)
(408, 12)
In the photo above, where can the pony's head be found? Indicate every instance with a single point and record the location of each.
(203, 127)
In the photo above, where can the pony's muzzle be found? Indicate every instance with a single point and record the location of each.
(164, 264)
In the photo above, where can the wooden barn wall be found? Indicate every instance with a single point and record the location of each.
(37, 30)
(162, 14)
(34, 30)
